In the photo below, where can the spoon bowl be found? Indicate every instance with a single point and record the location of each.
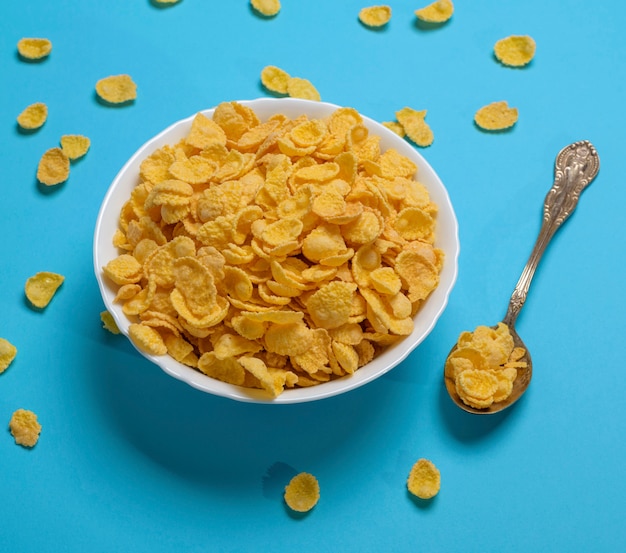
(575, 167)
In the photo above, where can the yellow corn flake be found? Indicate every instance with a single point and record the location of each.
(41, 287)
(483, 366)
(424, 479)
(496, 116)
(75, 145)
(108, 322)
(414, 125)
(375, 16)
(395, 127)
(147, 339)
(437, 12)
(167, 2)
(302, 88)
(33, 116)
(34, 48)
(54, 167)
(116, 89)
(515, 50)
(274, 254)
(268, 8)
(7, 353)
(25, 427)
(275, 79)
(302, 493)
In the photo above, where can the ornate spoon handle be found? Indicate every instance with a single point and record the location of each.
(575, 167)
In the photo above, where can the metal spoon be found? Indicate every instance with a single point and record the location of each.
(575, 167)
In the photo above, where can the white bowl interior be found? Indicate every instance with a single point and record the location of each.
(425, 320)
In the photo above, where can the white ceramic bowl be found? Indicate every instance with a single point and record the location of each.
(446, 239)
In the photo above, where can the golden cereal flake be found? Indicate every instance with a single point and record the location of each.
(375, 16)
(7, 353)
(302, 88)
(437, 12)
(108, 322)
(268, 8)
(147, 339)
(414, 125)
(496, 116)
(275, 79)
(302, 493)
(424, 479)
(41, 287)
(54, 167)
(515, 50)
(34, 48)
(117, 89)
(33, 116)
(75, 145)
(25, 428)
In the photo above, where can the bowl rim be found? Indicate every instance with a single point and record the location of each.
(382, 363)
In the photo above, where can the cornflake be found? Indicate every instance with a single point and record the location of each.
(496, 116)
(515, 50)
(75, 146)
(424, 479)
(302, 493)
(7, 353)
(117, 89)
(108, 322)
(41, 287)
(33, 116)
(414, 125)
(25, 428)
(285, 253)
(437, 12)
(34, 48)
(483, 366)
(54, 167)
(302, 88)
(275, 79)
(375, 16)
(268, 8)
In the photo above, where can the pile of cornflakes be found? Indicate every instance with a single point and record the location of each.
(484, 365)
(275, 254)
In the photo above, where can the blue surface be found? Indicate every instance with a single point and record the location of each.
(131, 460)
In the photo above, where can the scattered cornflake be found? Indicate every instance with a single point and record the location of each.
(75, 145)
(414, 125)
(496, 116)
(302, 88)
(268, 8)
(167, 2)
(25, 428)
(291, 251)
(424, 479)
(34, 48)
(302, 493)
(54, 167)
(41, 287)
(7, 353)
(437, 12)
(108, 322)
(515, 50)
(375, 16)
(117, 89)
(33, 116)
(275, 79)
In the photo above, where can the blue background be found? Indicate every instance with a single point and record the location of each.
(130, 459)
